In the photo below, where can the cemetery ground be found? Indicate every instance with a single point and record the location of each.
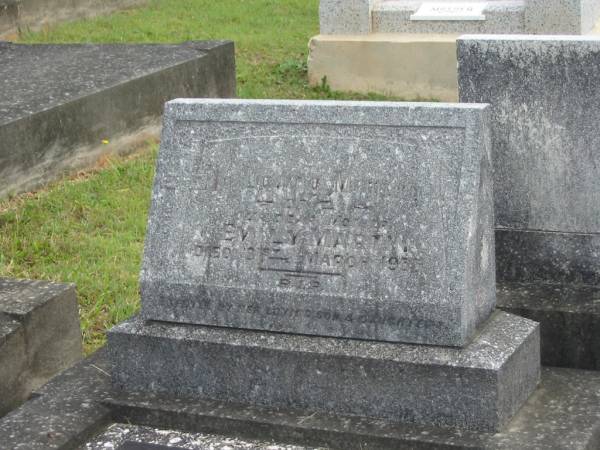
(89, 228)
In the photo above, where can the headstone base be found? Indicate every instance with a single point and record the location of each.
(478, 387)
(527, 256)
(409, 66)
(569, 317)
(78, 406)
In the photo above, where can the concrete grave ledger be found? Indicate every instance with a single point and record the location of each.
(361, 220)
(39, 336)
(110, 102)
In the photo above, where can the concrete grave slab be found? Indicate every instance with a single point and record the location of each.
(350, 219)
(44, 337)
(59, 103)
(13, 363)
(410, 66)
(79, 406)
(127, 436)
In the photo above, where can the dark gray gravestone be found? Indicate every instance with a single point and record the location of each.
(325, 220)
(545, 115)
(361, 220)
(545, 108)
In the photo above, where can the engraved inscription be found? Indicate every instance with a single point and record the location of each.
(447, 12)
(359, 316)
(304, 227)
(340, 214)
(307, 227)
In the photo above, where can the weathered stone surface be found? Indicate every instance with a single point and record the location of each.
(563, 413)
(540, 256)
(354, 219)
(561, 16)
(545, 115)
(46, 340)
(51, 123)
(590, 16)
(64, 413)
(478, 387)
(127, 436)
(345, 16)
(569, 317)
(13, 362)
(133, 445)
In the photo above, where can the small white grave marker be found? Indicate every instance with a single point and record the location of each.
(450, 11)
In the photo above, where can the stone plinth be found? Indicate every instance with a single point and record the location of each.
(410, 66)
(569, 317)
(79, 405)
(478, 387)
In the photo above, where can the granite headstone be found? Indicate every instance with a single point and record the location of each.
(279, 229)
(358, 17)
(545, 115)
(361, 220)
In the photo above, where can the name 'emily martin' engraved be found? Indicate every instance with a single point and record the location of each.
(306, 227)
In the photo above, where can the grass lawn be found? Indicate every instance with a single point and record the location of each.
(89, 229)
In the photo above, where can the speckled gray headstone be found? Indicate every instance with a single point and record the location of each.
(359, 17)
(545, 99)
(345, 16)
(350, 219)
